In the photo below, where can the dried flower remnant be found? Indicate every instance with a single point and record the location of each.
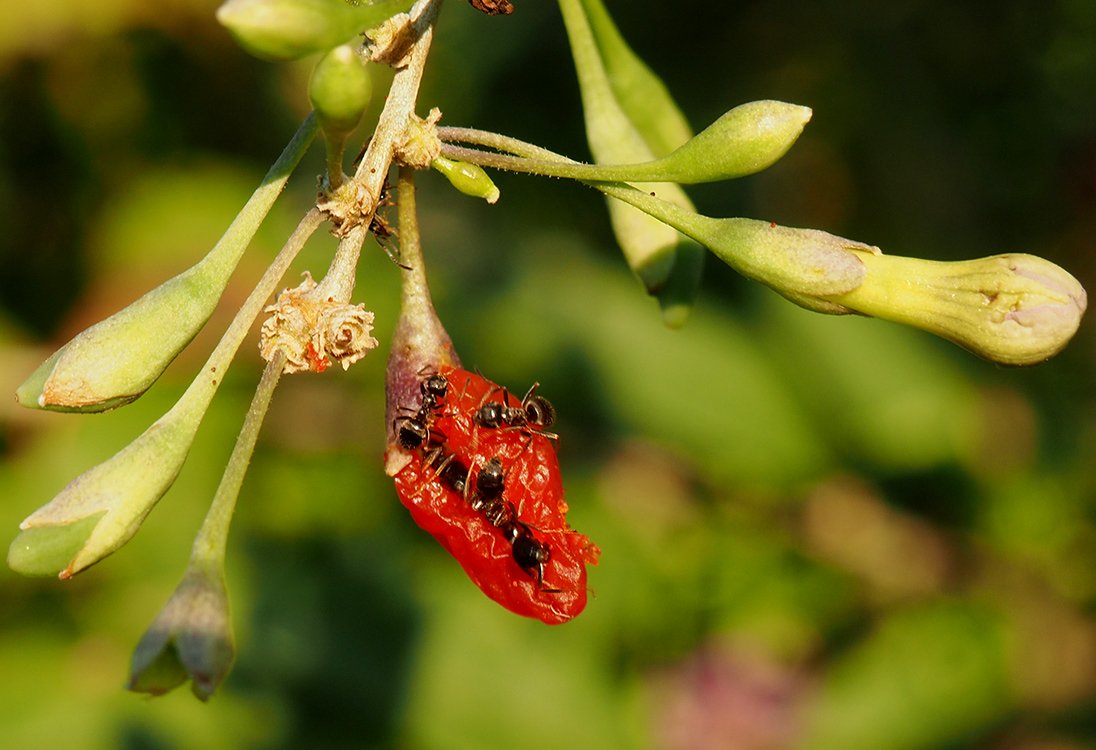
(347, 206)
(310, 330)
(420, 145)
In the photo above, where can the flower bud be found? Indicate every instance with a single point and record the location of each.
(808, 266)
(743, 141)
(677, 297)
(339, 90)
(1015, 309)
(102, 508)
(190, 638)
(290, 29)
(44, 550)
(116, 360)
(470, 179)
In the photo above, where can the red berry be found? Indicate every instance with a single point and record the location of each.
(438, 489)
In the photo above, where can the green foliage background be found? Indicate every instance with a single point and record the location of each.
(817, 533)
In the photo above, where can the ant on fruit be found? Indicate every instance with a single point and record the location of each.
(413, 430)
(449, 469)
(532, 415)
(529, 553)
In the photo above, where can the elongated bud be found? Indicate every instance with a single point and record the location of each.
(340, 89)
(102, 508)
(45, 550)
(470, 179)
(191, 639)
(677, 297)
(1015, 309)
(117, 359)
(290, 29)
(644, 98)
(743, 141)
(809, 266)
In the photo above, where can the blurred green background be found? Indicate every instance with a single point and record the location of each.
(818, 533)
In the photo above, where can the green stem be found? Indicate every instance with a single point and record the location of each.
(522, 154)
(334, 149)
(228, 250)
(212, 540)
(415, 292)
(650, 171)
(400, 105)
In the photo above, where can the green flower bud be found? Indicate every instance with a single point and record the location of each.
(116, 360)
(290, 29)
(102, 508)
(340, 89)
(808, 266)
(190, 638)
(743, 141)
(44, 550)
(470, 179)
(1015, 309)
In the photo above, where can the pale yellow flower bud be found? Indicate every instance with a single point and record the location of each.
(1015, 309)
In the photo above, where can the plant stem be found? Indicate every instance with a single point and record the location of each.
(212, 540)
(334, 148)
(400, 104)
(372, 172)
(415, 292)
(687, 222)
(536, 160)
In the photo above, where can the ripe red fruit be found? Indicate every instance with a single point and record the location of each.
(533, 489)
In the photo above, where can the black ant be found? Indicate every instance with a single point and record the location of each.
(533, 414)
(414, 429)
(529, 553)
(451, 470)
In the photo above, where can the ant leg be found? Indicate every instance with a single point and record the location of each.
(540, 581)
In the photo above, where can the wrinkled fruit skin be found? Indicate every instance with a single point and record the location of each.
(532, 485)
